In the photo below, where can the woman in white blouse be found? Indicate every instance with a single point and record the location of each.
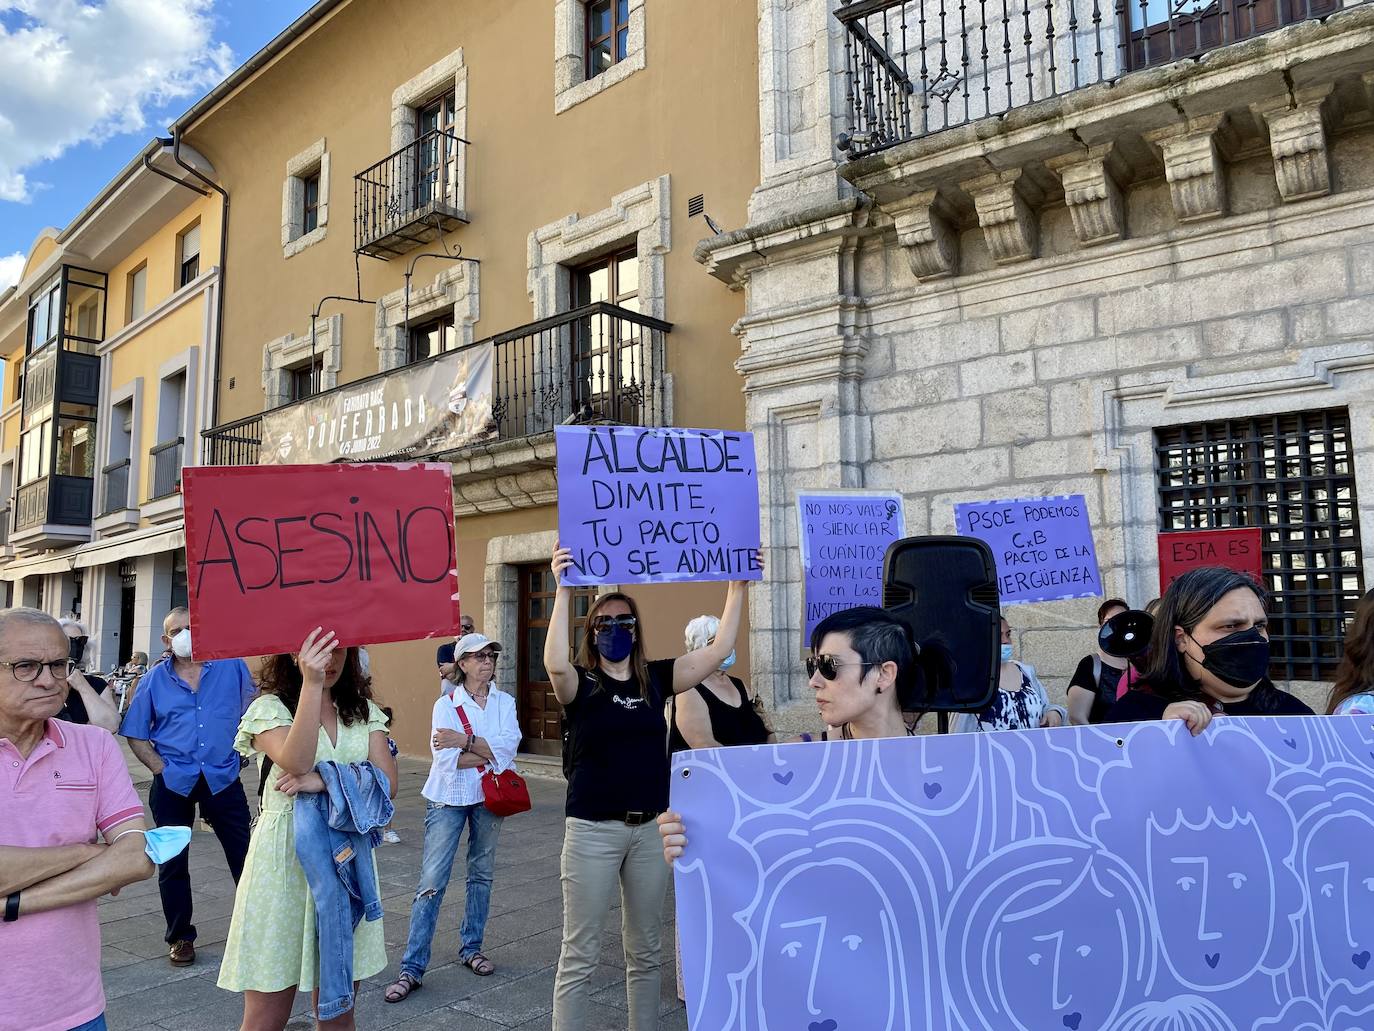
(454, 800)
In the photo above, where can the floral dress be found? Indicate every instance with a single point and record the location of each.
(271, 943)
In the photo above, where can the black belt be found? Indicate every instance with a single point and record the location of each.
(636, 819)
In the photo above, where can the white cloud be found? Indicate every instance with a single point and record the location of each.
(74, 70)
(11, 268)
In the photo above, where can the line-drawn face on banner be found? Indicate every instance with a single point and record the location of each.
(1212, 886)
(827, 967)
(1050, 936)
(1336, 861)
(286, 443)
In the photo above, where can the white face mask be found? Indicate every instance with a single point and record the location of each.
(181, 643)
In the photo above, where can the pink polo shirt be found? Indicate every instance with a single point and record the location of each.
(72, 788)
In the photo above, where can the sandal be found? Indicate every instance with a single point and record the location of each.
(479, 964)
(400, 988)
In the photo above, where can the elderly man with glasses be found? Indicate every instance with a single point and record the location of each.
(70, 831)
(474, 727)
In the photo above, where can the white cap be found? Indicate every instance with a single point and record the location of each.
(474, 643)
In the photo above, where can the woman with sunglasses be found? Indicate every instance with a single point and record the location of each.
(474, 726)
(617, 763)
(867, 673)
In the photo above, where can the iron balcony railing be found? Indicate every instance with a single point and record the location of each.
(914, 67)
(116, 479)
(598, 363)
(409, 197)
(166, 460)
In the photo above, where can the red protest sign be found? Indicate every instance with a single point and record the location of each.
(1238, 549)
(274, 551)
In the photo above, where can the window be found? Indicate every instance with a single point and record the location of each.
(305, 379)
(76, 441)
(1163, 31)
(608, 34)
(138, 292)
(435, 171)
(1293, 476)
(35, 453)
(310, 210)
(431, 338)
(188, 257)
(607, 350)
(43, 314)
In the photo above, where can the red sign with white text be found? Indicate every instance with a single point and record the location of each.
(1238, 549)
(274, 551)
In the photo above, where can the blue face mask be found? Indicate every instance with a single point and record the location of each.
(164, 843)
(614, 643)
(1006, 653)
(728, 661)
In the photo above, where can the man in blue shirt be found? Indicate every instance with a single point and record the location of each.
(181, 724)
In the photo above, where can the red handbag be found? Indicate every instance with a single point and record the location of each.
(505, 794)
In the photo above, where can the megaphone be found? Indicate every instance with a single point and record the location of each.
(1127, 634)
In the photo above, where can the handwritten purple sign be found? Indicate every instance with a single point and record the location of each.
(844, 536)
(655, 505)
(1127, 877)
(1043, 546)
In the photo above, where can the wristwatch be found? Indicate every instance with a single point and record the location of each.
(12, 908)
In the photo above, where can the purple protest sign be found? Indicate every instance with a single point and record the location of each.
(654, 505)
(1114, 878)
(844, 536)
(1043, 546)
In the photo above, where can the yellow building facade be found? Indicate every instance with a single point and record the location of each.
(109, 343)
(430, 177)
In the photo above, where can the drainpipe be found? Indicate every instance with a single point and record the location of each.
(175, 142)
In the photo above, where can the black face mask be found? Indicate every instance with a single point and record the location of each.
(1240, 659)
(77, 647)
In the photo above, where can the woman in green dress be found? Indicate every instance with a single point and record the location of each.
(271, 951)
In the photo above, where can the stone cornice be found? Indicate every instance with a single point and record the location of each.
(730, 256)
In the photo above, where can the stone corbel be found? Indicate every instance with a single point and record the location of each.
(1003, 201)
(926, 230)
(1297, 141)
(1092, 191)
(1194, 153)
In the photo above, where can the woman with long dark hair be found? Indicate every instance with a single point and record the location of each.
(617, 763)
(1209, 655)
(1352, 693)
(315, 706)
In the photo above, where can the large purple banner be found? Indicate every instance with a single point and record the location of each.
(656, 505)
(1113, 878)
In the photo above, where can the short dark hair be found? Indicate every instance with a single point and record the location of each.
(1107, 606)
(1186, 604)
(923, 668)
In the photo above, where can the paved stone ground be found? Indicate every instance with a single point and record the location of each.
(146, 993)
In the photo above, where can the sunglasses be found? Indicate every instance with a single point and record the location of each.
(482, 656)
(607, 622)
(828, 667)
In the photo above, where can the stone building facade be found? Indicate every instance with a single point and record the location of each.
(1156, 291)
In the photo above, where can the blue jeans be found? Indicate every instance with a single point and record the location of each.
(443, 830)
(98, 1024)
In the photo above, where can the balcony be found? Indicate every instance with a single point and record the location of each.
(596, 364)
(915, 67)
(164, 483)
(409, 198)
(116, 477)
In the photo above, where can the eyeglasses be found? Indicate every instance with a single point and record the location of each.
(482, 656)
(607, 622)
(26, 670)
(828, 667)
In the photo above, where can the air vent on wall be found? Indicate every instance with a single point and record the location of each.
(696, 205)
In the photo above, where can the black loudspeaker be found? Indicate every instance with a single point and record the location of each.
(945, 589)
(1127, 634)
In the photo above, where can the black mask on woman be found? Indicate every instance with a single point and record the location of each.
(77, 647)
(1240, 659)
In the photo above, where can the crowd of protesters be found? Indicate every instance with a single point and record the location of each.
(307, 909)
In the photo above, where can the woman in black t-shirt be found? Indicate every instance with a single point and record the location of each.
(1209, 655)
(1092, 688)
(617, 762)
(718, 712)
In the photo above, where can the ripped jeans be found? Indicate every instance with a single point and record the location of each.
(443, 831)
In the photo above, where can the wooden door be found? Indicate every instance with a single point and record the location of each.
(537, 707)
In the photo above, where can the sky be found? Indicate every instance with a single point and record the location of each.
(84, 84)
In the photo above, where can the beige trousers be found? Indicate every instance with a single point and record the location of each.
(598, 854)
